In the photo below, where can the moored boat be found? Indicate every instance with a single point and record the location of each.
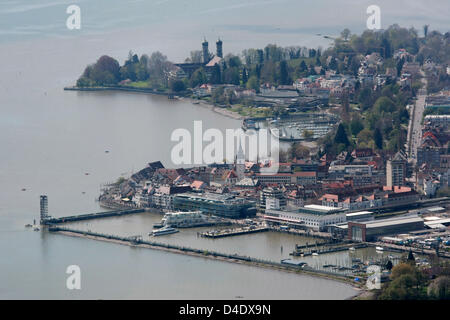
(163, 231)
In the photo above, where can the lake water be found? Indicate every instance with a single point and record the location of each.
(50, 138)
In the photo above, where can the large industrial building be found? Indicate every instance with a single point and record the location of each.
(371, 230)
(224, 205)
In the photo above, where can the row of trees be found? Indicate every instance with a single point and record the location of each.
(409, 282)
(278, 65)
(107, 70)
(379, 120)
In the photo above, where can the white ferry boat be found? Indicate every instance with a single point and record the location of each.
(163, 231)
(183, 219)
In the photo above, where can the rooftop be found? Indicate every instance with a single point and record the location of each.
(393, 221)
(360, 213)
(320, 208)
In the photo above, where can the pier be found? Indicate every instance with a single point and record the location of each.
(89, 216)
(137, 241)
(232, 232)
(341, 247)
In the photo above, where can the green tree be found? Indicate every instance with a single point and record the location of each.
(198, 78)
(333, 64)
(307, 134)
(299, 151)
(356, 126)
(378, 138)
(402, 288)
(218, 96)
(177, 86)
(216, 76)
(231, 76)
(106, 71)
(158, 67)
(389, 265)
(341, 136)
(440, 288)
(345, 34)
(411, 258)
(253, 83)
(425, 30)
(284, 73)
(384, 104)
(84, 82)
(303, 66)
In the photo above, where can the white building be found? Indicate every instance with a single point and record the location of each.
(272, 203)
(312, 216)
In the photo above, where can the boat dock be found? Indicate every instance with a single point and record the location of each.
(342, 247)
(232, 232)
(90, 216)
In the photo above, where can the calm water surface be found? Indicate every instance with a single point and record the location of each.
(50, 138)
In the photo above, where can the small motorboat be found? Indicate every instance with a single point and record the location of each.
(352, 249)
(379, 248)
(315, 254)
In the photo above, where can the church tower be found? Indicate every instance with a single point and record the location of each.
(219, 51)
(240, 163)
(205, 51)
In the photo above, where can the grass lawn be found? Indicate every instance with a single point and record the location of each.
(251, 112)
(139, 84)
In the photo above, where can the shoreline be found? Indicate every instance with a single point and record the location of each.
(208, 255)
(202, 103)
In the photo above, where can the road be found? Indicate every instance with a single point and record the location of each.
(415, 130)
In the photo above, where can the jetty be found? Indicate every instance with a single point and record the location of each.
(89, 216)
(233, 232)
(138, 241)
(315, 249)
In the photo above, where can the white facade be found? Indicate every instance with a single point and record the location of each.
(312, 220)
(272, 203)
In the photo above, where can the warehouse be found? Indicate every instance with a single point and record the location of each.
(371, 230)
